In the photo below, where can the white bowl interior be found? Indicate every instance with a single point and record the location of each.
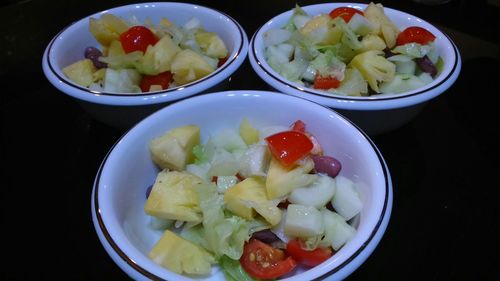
(68, 46)
(401, 19)
(128, 169)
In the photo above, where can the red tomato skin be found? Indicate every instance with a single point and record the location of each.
(222, 61)
(305, 257)
(289, 146)
(299, 126)
(325, 83)
(163, 79)
(345, 12)
(137, 38)
(415, 34)
(262, 261)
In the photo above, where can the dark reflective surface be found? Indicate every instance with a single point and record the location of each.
(444, 164)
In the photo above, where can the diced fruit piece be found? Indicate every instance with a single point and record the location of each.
(81, 72)
(173, 197)
(337, 230)
(310, 258)
(382, 25)
(107, 28)
(99, 74)
(374, 67)
(345, 13)
(229, 140)
(262, 261)
(122, 80)
(115, 49)
(255, 161)
(319, 30)
(211, 44)
(249, 195)
(353, 84)
(158, 58)
(346, 200)
(372, 42)
(189, 66)
(282, 180)
(360, 25)
(180, 255)
(318, 194)
(248, 133)
(174, 150)
(303, 221)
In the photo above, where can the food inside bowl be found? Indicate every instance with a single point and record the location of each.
(352, 52)
(257, 202)
(142, 57)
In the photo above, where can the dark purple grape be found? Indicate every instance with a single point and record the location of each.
(327, 165)
(266, 236)
(426, 65)
(148, 191)
(93, 54)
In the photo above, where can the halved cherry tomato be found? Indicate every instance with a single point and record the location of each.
(163, 79)
(345, 12)
(289, 146)
(308, 258)
(137, 38)
(415, 34)
(299, 126)
(263, 261)
(325, 83)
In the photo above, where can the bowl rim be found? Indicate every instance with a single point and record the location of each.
(368, 245)
(111, 98)
(377, 102)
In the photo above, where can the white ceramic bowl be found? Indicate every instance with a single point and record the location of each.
(123, 110)
(118, 196)
(377, 113)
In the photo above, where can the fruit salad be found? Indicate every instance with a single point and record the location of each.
(139, 57)
(257, 202)
(352, 52)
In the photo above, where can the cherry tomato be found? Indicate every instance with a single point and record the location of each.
(325, 83)
(163, 79)
(289, 146)
(263, 261)
(345, 12)
(308, 258)
(137, 38)
(299, 125)
(415, 34)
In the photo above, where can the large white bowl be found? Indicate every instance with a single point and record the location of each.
(118, 195)
(377, 113)
(124, 110)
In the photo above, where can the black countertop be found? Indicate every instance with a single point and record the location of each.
(444, 164)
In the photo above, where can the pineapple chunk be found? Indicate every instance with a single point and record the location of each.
(115, 49)
(173, 197)
(107, 28)
(353, 84)
(249, 195)
(374, 67)
(158, 58)
(282, 180)
(319, 30)
(211, 44)
(189, 66)
(382, 25)
(372, 42)
(81, 72)
(248, 133)
(180, 255)
(174, 150)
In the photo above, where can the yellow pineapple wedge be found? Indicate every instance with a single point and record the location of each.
(158, 58)
(173, 197)
(107, 28)
(81, 72)
(180, 255)
(249, 195)
(211, 44)
(174, 149)
(189, 66)
(282, 180)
